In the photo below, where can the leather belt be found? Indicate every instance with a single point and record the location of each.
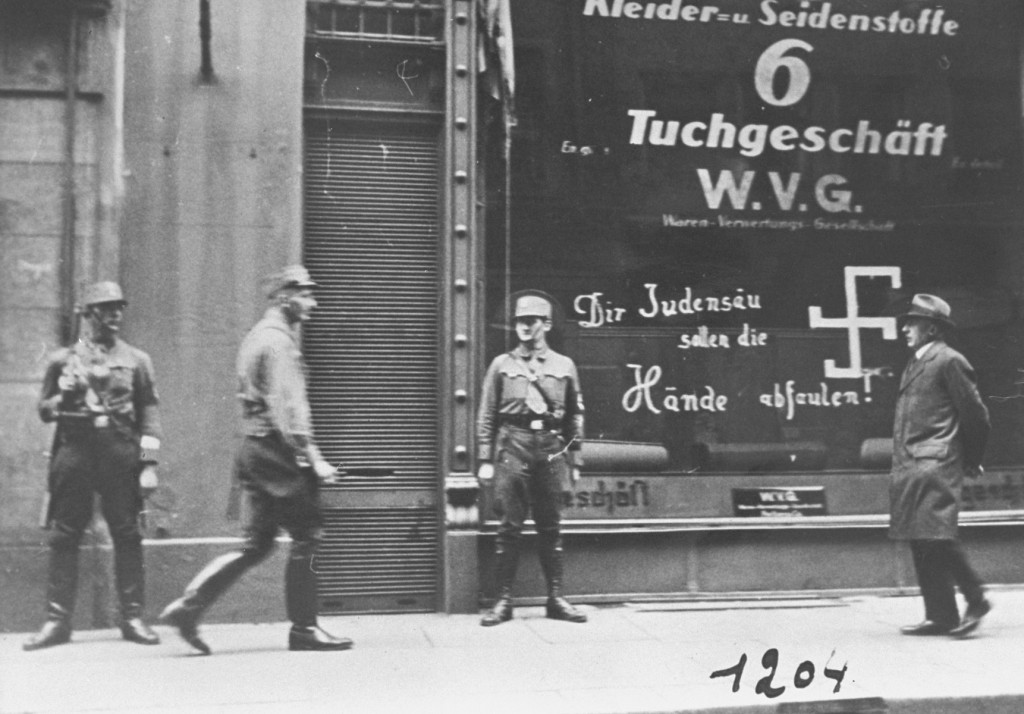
(525, 421)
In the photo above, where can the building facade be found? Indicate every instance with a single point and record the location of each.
(729, 206)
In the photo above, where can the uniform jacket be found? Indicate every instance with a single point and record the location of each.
(504, 395)
(121, 384)
(275, 405)
(940, 431)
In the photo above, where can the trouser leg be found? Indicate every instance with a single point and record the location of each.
(223, 571)
(963, 574)
(61, 586)
(71, 510)
(936, 583)
(510, 505)
(120, 501)
(62, 581)
(217, 577)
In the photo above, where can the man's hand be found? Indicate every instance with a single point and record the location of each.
(148, 481)
(574, 474)
(325, 471)
(485, 472)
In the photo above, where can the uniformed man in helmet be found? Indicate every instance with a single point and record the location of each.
(102, 394)
(529, 433)
(280, 467)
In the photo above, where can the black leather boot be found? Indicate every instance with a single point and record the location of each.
(502, 610)
(55, 631)
(300, 597)
(549, 547)
(61, 587)
(129, 578)
(184, 613)
(506, 563)
(315, 639)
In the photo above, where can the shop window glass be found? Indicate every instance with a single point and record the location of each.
(734, 300)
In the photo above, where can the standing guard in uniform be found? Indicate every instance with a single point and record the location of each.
(940, 432)
(529, 432)
(280, 467)
(102, 395)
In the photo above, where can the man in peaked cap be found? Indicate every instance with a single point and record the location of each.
(280, 467)
(102, 395)
(939, 437)
(529, 433)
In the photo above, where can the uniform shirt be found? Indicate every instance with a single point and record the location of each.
(120, 384)
(272, 383)
(505, 394)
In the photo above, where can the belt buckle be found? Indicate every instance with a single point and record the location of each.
(537, 424)
(101, 421)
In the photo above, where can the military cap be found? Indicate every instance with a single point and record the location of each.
(291, 276)
(533, 306)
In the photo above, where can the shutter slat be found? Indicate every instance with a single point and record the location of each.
(371, 242)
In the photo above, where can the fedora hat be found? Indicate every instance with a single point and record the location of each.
(929, 307)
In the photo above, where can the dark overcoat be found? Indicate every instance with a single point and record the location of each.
(940, 432)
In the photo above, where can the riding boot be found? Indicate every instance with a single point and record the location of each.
(300, 591)
(209, 584)
(549, 548)
(129, 578)
(302, 607)
(61, 588)
(506, 563)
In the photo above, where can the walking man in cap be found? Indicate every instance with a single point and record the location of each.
(102, 395)
(280, 468)
(529, 432)
(939, 438)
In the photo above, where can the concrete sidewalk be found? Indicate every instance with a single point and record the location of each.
(654, 657)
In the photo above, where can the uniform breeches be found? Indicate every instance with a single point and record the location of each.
(299, 515)
(529, 471)
(99, 462)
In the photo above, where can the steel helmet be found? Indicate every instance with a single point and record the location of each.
(101, 292)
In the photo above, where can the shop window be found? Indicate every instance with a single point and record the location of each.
(735, 300)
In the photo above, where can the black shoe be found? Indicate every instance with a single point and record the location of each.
(501, 612)
(926, 628)
(186, 619)
(558, 608)
(53, 632)
(314, 638)
(972, 618)
(135, 630)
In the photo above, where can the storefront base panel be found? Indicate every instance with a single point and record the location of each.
(170, 566)
(616, 567)
(600, 568)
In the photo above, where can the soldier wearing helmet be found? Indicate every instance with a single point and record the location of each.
(529, 432)
(101, 393)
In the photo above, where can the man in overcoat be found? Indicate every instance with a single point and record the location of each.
(939, 436)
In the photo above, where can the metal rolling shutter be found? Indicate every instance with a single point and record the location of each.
(371, 242)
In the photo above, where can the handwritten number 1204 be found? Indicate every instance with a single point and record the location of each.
(770, 661)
